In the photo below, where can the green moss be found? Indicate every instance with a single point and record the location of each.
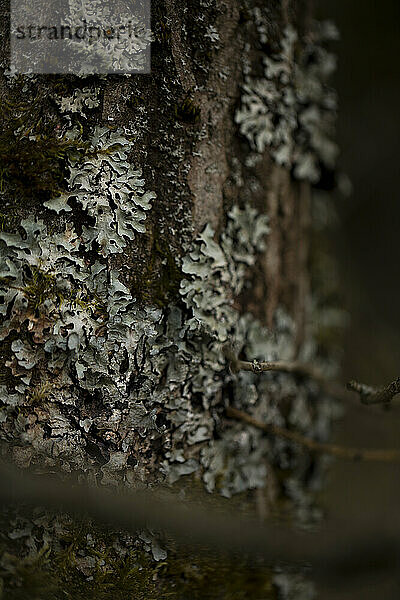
(52, 576)
(43, 285)
(56, 572)
(32, 153)
(8, 222)
(47, 579)
(163, 33)
(135, 101)
(28, 578)
(39, 393)
(215, 577)
(187, 111)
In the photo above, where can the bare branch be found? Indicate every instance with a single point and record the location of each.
(372, 395)
(331, 388)
(280, 365)
(378, 455)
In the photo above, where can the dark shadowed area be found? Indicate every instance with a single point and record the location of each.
(368, 250)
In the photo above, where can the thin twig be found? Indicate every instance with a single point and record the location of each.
(372, 395)
(331, 388)
(279, 365)
(378, 455)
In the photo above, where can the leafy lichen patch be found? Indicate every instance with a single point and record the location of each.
(157, 375)
(290, 109)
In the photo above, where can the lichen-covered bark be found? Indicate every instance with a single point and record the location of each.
(180, 223)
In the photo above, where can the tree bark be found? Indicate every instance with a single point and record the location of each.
(123, 380)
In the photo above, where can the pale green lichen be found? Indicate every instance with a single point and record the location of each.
(87, 97)
(91, 336)
(291, 110)
(91, 331)
(83, 336)
(79, 333)
(109, 190)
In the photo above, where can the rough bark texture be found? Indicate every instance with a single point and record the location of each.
(203, 129)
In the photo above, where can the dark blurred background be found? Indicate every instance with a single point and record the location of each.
(367, 247)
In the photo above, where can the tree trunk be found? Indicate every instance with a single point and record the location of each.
(148, 222)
